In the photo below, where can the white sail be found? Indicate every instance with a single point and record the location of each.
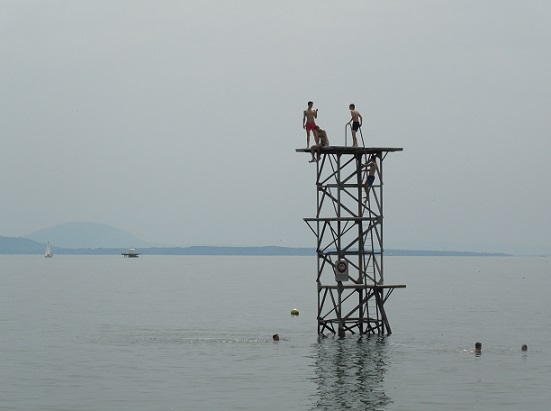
(48, 252)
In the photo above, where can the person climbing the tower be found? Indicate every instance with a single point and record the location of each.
(356, 122)
(322, 141)
(371, 168)
(309, 123)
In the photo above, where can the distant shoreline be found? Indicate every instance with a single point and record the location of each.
(15, 246)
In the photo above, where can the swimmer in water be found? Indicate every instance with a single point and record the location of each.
(478, 348)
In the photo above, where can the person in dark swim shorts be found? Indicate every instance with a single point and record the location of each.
(356, 122)
(371, 170)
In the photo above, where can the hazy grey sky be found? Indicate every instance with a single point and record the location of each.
(178, 121)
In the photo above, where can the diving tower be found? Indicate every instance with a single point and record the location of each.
(348, 227)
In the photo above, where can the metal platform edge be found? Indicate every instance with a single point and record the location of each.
(351, 150)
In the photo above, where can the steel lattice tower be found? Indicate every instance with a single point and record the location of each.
(349, 230)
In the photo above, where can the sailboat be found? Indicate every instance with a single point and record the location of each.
(48, 253)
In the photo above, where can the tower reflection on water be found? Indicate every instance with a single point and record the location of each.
(349, 374)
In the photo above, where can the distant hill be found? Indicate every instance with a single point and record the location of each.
(18, 245)
(87, 235)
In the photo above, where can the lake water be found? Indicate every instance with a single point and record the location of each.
(195, 333)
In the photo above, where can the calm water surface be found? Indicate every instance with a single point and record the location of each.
(194, 333)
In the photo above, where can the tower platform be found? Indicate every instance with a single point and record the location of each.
(352, 150)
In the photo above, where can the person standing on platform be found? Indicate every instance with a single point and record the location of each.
(309, 123)
(356, 122)
(322, 141)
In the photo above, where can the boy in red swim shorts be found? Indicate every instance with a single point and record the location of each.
(309, 124)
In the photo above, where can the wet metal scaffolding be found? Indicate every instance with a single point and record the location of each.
(349, 229)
